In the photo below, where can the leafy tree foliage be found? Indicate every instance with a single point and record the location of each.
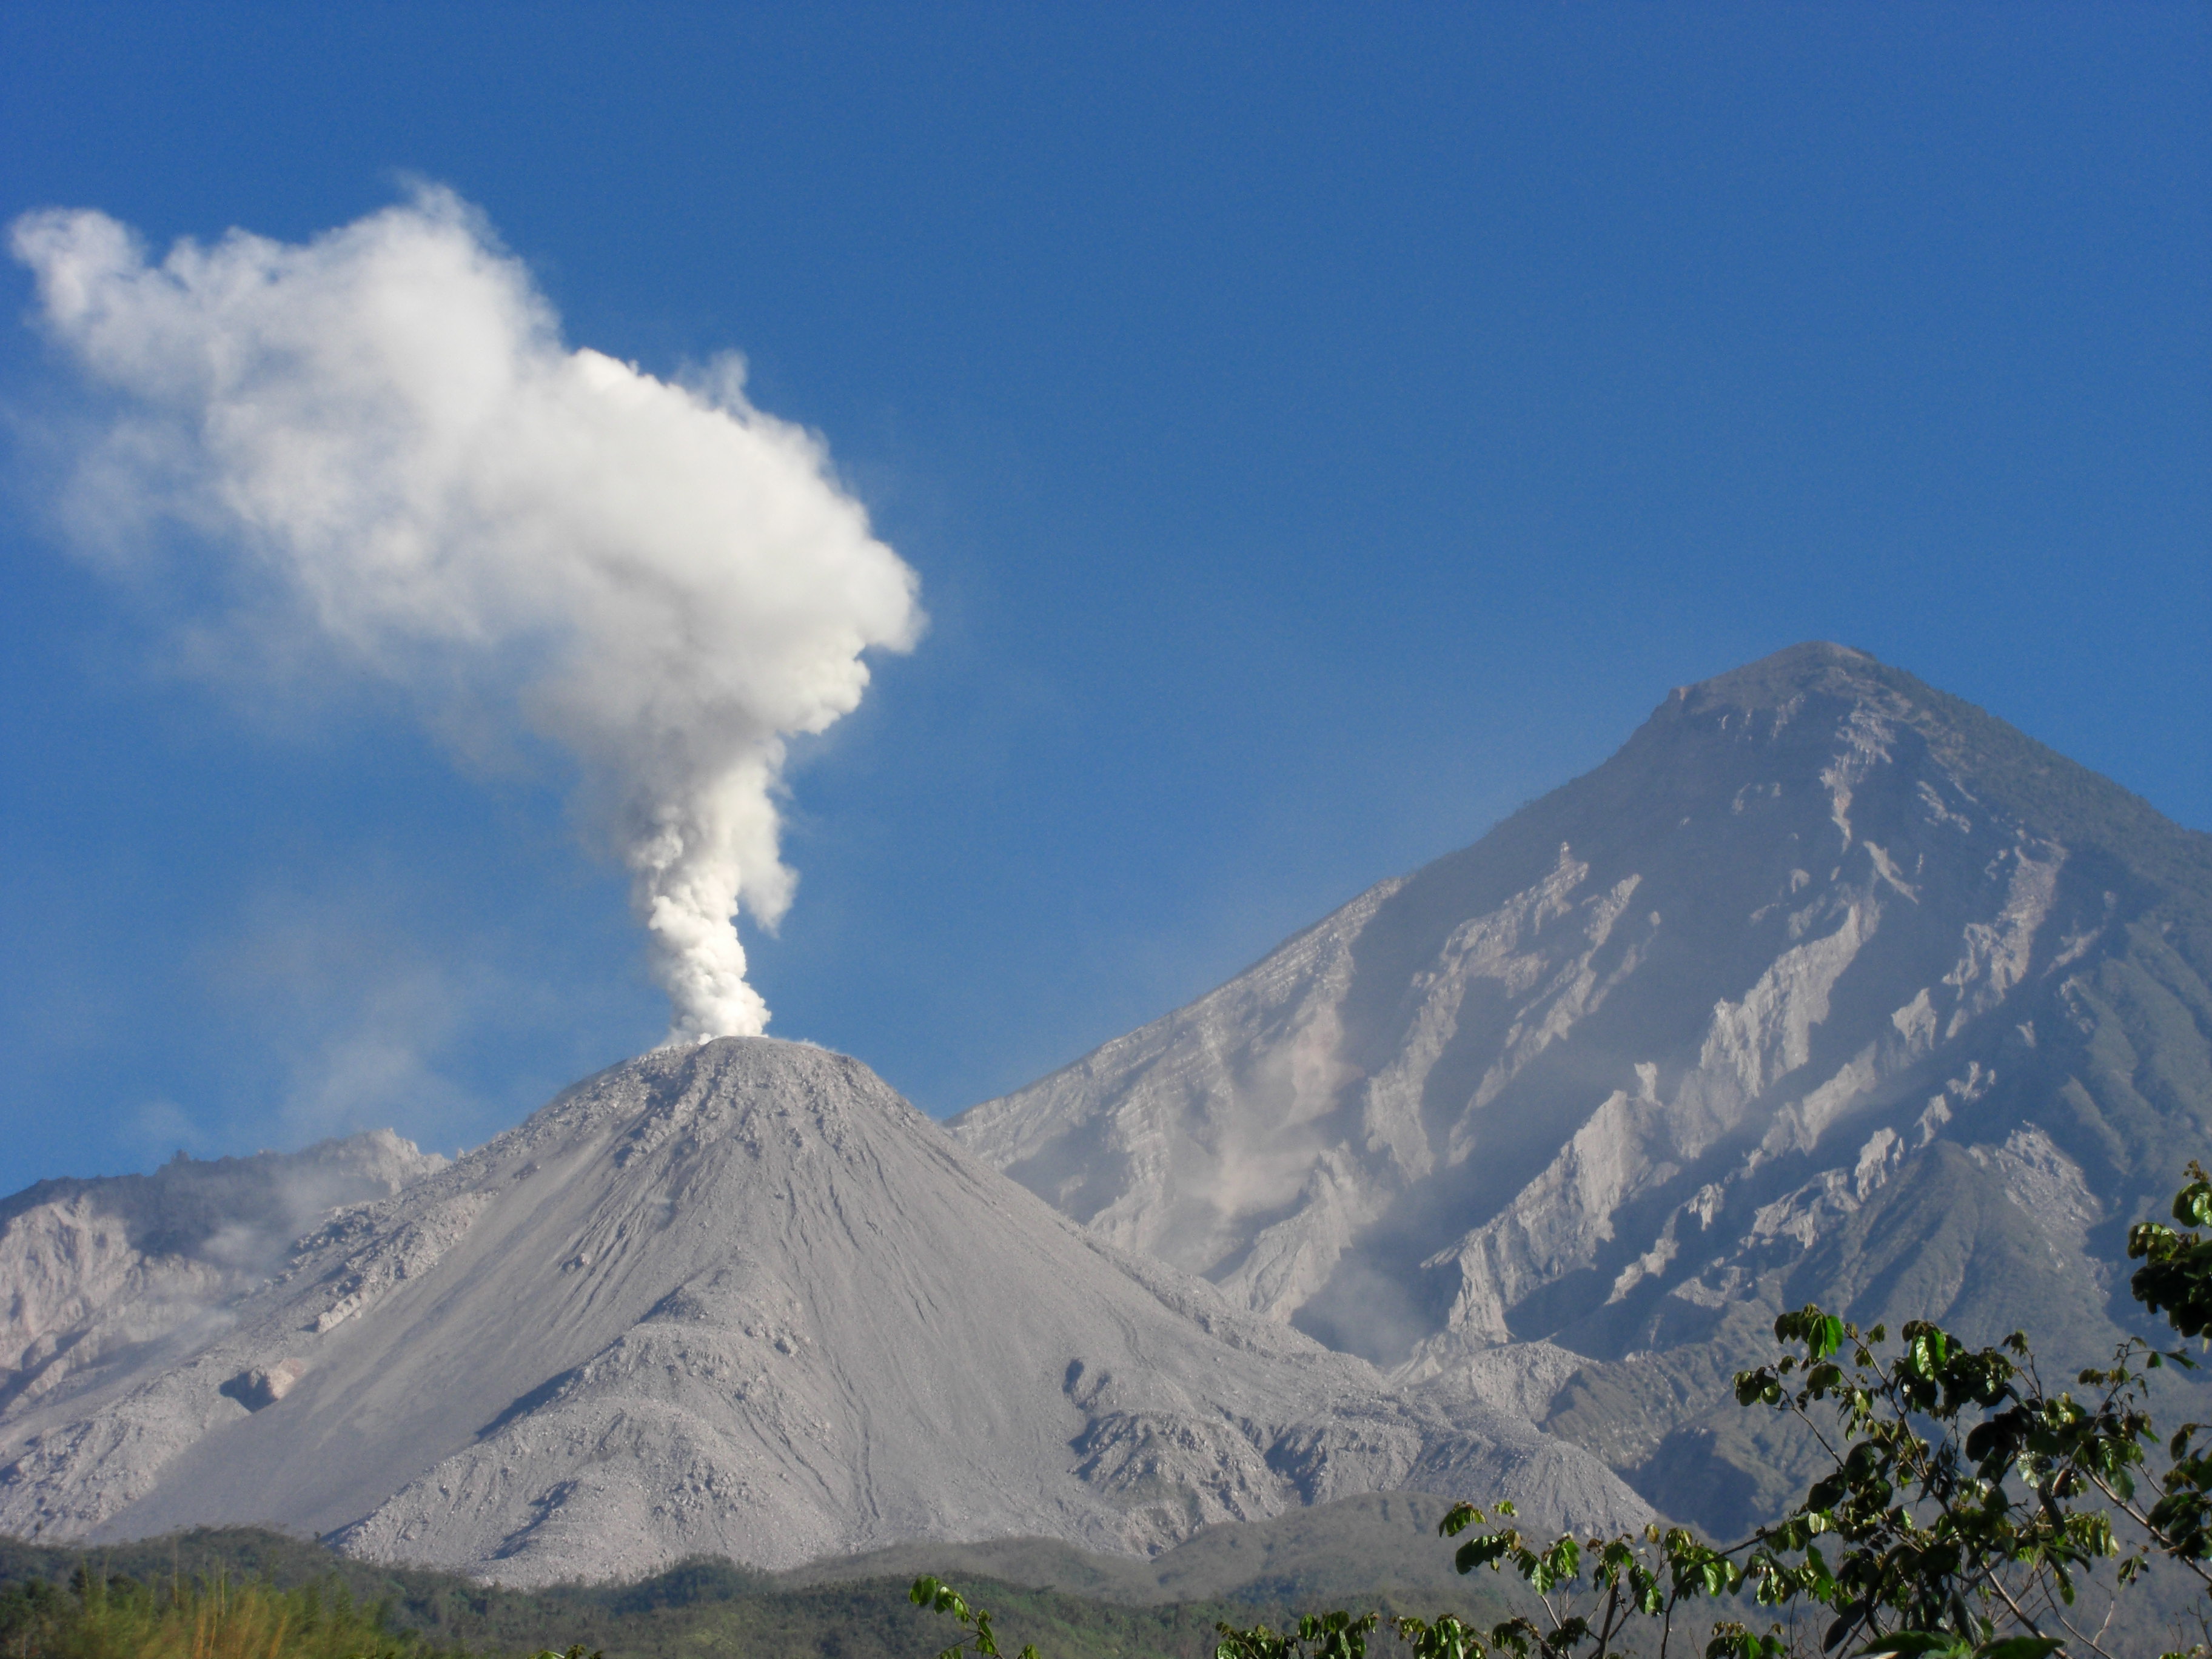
(940, 1597)
(1966, 1507)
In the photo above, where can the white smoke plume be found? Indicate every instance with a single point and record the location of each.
(381, 436)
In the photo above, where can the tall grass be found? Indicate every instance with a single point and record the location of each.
(104, 1617)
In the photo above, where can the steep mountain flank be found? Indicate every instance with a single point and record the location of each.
(743, 1300)
(1826, 986)
(92, 1271)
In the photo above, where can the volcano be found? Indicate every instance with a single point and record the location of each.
(1827, 986)
(737, 1299)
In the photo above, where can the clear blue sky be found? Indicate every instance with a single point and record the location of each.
(1316, 430)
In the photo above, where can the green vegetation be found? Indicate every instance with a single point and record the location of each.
(289, 1598)
(114, 1616)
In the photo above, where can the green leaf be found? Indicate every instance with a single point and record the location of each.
(1483, 1551)
(933, 1593)
(1459, 1518)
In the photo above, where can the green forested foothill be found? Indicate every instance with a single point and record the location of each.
(102, 1614)
(699, 1608)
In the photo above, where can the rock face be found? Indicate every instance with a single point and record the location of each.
(739, 1299)
(92, 1271)
(1826, 986)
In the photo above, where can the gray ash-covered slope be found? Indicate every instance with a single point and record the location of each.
(744, 1300)
(93, 1271)
(1826, 986)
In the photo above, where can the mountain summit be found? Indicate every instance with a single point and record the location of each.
(1827, 984)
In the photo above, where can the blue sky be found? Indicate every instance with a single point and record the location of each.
(1315, 430)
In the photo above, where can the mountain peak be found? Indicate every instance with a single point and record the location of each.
(1827, 984)
(1777, 680)
(2164, 866)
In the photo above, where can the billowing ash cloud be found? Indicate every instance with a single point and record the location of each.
(380, 439)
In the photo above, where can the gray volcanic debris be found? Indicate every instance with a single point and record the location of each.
(1826, 986)
(739, 1299)
(95, 1270)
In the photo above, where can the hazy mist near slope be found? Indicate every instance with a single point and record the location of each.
(97, 1269)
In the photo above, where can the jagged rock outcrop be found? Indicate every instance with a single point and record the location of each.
(92, 1271)
(1827, 984)
(738, 1299)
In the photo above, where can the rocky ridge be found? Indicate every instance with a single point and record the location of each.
(1827, 986)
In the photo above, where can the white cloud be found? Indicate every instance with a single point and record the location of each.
(380, 454)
